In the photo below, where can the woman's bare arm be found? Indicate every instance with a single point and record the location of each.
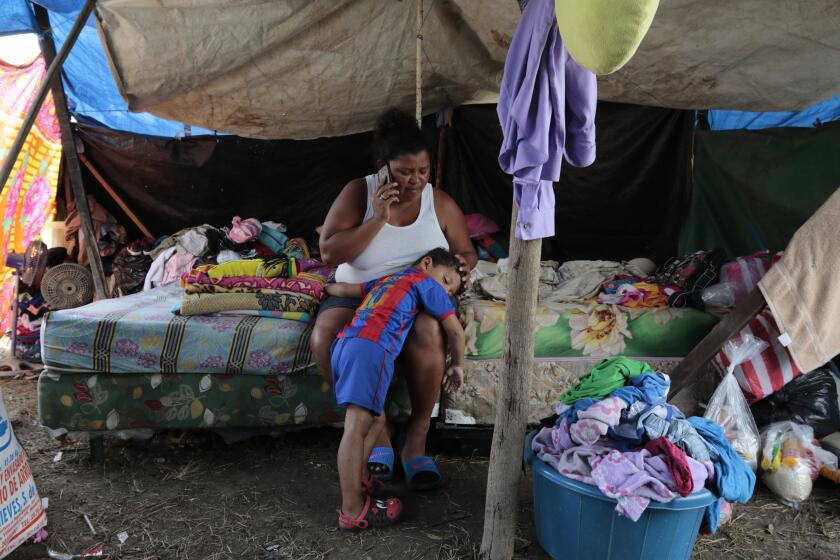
(454, 227)
(344, 236)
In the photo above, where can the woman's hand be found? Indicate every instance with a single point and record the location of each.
(463, 270)
(386, 195)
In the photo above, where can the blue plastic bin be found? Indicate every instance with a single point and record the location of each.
(576, 521)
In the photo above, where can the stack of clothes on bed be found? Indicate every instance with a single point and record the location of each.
(282, 287)
(615, 430)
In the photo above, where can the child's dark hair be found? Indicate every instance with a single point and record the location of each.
(441, 257)
(397, 134)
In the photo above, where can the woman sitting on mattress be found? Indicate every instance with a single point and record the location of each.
(379, 225)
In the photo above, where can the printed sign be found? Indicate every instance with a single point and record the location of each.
(21, 512)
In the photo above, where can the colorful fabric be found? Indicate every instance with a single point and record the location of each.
(744, 273)
(734, 480)
(243, 231)
(604, 378)
(478, 402)
(362, 372)
(311, 284)
(27, 200)
(287, 315)
(638, 294)
(390, 305)
(593, 423)
(678, 431)
(90, 402)
(677, 462)
(627, 478)
(767, 372)
(203, 304)
(259, 268)
(139, 334)
(575, 330)
(297, 248)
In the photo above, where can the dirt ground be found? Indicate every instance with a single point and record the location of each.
(202, 499)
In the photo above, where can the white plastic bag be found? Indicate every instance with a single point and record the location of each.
(791, 460)
(720, 295)
(729, 408)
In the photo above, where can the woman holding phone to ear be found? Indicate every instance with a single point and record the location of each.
(377, 227)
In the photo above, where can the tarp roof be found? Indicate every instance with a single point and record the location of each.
(306, 68)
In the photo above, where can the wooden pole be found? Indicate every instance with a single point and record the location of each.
(418, 92)
(41, 94)
(117, 198)
(68, 145)
(513, 396)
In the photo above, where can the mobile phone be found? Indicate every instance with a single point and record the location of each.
(385, 175)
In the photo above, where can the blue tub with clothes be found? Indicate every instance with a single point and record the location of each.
(575, 520)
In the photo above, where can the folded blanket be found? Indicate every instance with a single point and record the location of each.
(281, 267)
(287, 315)
(309, 283)
(296, 285)
(204, 304)
(803, 292)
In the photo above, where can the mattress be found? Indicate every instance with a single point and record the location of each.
(140, 334)
(95, 402)
(550, 378)
(590, 330)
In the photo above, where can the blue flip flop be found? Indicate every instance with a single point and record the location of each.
(382, 456)
(421, 473)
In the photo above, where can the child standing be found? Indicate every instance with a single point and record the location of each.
(363, 364)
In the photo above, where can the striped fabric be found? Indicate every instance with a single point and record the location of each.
(769, 371)
(744, 273)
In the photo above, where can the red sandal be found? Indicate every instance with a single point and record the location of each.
(375, 515)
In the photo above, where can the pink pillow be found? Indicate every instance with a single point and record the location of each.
(479, 225)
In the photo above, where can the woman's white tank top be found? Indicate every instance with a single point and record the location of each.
(395, 248)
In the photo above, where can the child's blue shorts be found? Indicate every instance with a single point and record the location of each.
(362, 371)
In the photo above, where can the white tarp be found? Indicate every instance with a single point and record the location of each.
(309, 68)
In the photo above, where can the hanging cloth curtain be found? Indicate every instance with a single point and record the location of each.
(28, 199)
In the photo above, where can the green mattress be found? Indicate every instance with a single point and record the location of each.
(576, 330)
(93, 402)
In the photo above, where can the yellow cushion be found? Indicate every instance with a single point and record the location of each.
(602, 35)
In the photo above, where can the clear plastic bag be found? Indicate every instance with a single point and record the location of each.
(791, 460)
(720, 295)
(729, 408)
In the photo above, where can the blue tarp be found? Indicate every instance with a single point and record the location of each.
(828, 110)
(16, 17)
(91, 90)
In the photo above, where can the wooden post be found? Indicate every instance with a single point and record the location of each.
(52, 70)
(513, 397)
(117, 198)
(68, 145)
(418, 92)
(698, 359)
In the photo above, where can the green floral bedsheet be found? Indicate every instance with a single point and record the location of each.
(91, 402)
(567, 330)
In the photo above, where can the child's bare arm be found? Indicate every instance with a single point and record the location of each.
(343, 289)
(453, 379)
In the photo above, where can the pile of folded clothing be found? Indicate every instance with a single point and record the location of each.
(282, 287)
(614, 430)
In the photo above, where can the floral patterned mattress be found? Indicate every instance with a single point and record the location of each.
(574, 330)
(140, 334)
(91, 402)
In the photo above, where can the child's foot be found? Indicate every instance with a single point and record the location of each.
(375, 514)
(373, 487)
